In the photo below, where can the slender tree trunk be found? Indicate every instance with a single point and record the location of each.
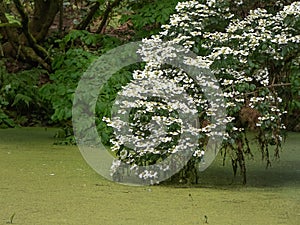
(84, 23)
(106, 13)
(61, 16)
(241, 160)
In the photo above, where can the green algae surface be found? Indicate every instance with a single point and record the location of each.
(46, 184)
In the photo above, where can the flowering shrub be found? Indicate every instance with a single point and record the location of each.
(250, 57)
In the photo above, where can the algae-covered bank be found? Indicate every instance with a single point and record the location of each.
(42, 183)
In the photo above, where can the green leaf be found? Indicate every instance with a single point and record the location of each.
(22, 98)
(12, 19)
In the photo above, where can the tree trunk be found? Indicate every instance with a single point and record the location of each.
(241, 159)
(9, 34)
(106, 14)
(22, 42)
(84, 23)
(43, 16)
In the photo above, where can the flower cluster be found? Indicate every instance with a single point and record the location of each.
(242, 53)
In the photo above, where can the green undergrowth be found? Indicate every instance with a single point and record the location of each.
(42, 183)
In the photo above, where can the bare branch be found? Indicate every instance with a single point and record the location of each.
(269, 86)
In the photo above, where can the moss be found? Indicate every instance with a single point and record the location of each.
(46, 184)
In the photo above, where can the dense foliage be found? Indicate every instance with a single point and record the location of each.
(251, 46)
(251, 58)
(70, 52)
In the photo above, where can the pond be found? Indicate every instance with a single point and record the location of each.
(42, 183)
